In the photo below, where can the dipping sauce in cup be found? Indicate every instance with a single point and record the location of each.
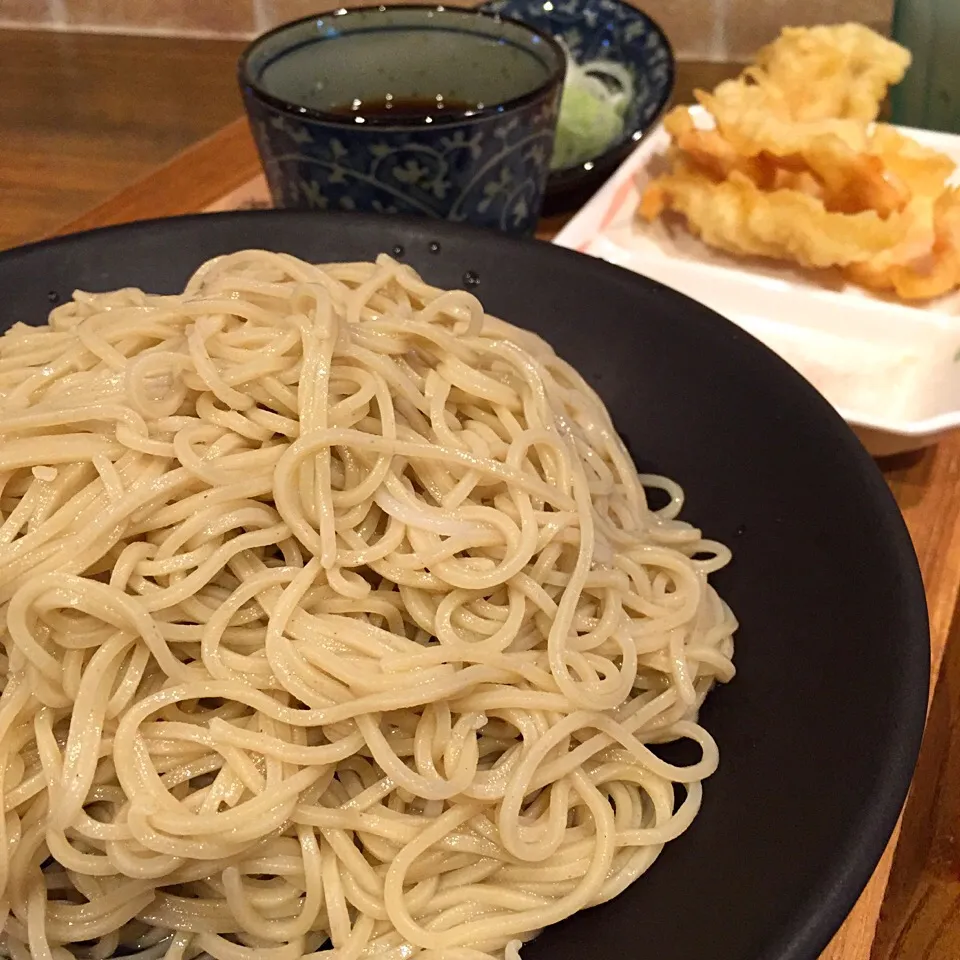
(418, 110)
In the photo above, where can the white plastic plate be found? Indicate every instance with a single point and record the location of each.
(892, 370)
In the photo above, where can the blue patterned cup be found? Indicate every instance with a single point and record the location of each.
(440, 112)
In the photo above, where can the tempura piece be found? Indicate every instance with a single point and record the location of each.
(754, 118)
(824, 167)
(763, 117)
(810, 83)
(710, 151)
(831, 72)
(792, 166)
(738, 217)
(804, 107)
(926, 263)
(922, 170)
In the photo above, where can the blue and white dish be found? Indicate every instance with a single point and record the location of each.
(616, 32)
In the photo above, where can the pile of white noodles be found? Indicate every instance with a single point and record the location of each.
(336, 623)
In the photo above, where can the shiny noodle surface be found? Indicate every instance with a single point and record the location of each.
(336, 623)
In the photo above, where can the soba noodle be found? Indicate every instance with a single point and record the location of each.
(336, 623)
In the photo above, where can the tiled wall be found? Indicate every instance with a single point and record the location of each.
(711, 29)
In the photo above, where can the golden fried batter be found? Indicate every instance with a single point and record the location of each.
(737, 216)
(793, 167)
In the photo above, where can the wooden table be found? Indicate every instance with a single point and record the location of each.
(911, 908)
(83, 115)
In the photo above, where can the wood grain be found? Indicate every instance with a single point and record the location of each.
(915, 893)
(82, 116)
(927, 489)
(191, 182)
(920, 919)
(921, 913)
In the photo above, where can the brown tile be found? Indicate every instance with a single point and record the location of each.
(701, 75)
(26, 11)
(691, 25)
(752, 23)
(175, 16)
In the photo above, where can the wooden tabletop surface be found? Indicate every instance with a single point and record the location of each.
(83, 115)
(911, 908)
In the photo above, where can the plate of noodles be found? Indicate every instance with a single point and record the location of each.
(385, 589)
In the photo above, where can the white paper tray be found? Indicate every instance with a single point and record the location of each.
(891, 370)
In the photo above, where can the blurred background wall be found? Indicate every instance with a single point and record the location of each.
(700, 29)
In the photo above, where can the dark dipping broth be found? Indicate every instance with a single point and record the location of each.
(404, 108)
(403, 72)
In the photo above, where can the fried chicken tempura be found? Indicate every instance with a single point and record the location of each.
(794, 167)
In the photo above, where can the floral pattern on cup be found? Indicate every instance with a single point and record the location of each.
(488, 171)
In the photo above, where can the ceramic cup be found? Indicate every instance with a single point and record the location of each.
(439, 112)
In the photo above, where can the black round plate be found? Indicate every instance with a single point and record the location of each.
(820, 729)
